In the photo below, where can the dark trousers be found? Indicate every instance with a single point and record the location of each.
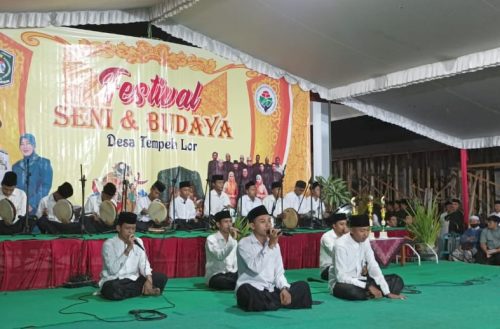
(324, 274)
(186, 225)
(143, 226)
(251, 299)
(53, 227)
(119, 289)
(482, 259)
(93, 226)
(223, 281)
(352, 292)
(17, 227)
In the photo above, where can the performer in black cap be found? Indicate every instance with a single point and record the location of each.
(92, 220)
(352, 256)
(185, 211)
(249, 200)
(218, 199)
(262, 285)
(17, 204)
(272, 202)
(315, 206)
(47, 220)
(295, 199)
(338, 223)
(220, 248)
(126, 271)
(143, 203)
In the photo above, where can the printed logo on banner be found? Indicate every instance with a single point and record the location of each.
(6, 65)
(266, 99)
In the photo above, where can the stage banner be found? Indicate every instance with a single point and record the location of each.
(117, 108)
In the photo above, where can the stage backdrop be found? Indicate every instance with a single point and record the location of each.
(138, 109)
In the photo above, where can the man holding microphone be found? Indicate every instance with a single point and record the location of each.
(262, 285)
(126, 270)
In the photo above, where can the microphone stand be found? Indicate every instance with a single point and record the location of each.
(281, 188)
(303, 196)
(207, 190)
(124, 191)
(82, 211)
(240, 200)
(172, 198)
(26, 229)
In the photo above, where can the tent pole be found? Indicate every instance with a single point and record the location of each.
(465, 186)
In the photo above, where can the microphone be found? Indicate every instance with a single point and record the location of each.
(136, 242)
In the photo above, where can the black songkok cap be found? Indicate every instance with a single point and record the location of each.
(222, 215)
(300, 184)
(109, 189)
(65, 190)
(185, 184)
(494, 218)
(127, 217)
(359, 221)
(455, 200)
(159, 186)
(216, 178)
(256, 212)
(334, 218)
(314, 185)
(9, 179)
(275, 185)
(249, 184)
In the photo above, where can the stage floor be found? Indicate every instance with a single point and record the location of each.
(453, 295)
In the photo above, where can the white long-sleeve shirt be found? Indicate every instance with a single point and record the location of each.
(326, 249)
(18, 198)
(248, 204)
(48, 202)
(292, 200)
(269, 203)
(117, 265)
(184, 209)
(318, 207)
(143, 202)
(259, 265)
(350, 258)
(220, 254)
(93, 204)
(217, 203)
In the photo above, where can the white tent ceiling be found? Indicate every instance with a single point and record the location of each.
(426, 65)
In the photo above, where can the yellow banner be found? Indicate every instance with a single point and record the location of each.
(138, 109)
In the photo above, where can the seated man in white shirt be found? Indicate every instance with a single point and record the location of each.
(315, 206)
(272, 202)
(17, 200)
(296, 200)
(249, 200)
(338, 223)
(221, 270)
(262, 285)
(217, 200)
(143, 203)
(182, 211)
(47, 221)
(353, 259)
(93, 222)
(126, 271)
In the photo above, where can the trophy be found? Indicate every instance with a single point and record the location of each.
(370, 215)
(354, 208)
(383, 233)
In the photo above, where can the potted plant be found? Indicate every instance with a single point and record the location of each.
(425, 226)
(334, 192)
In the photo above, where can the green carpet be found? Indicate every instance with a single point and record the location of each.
(453, 295)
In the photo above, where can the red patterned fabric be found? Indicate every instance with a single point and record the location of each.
(386, 249)
(33, 264)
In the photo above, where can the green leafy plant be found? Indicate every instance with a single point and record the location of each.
(425, 226)
(335, 192)
(242, 224)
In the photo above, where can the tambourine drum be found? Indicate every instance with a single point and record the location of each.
(107, 212)
(63, 210)
(344, 209)
(157, 211)
(156, 230)
(7, 211)
(290, 218)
